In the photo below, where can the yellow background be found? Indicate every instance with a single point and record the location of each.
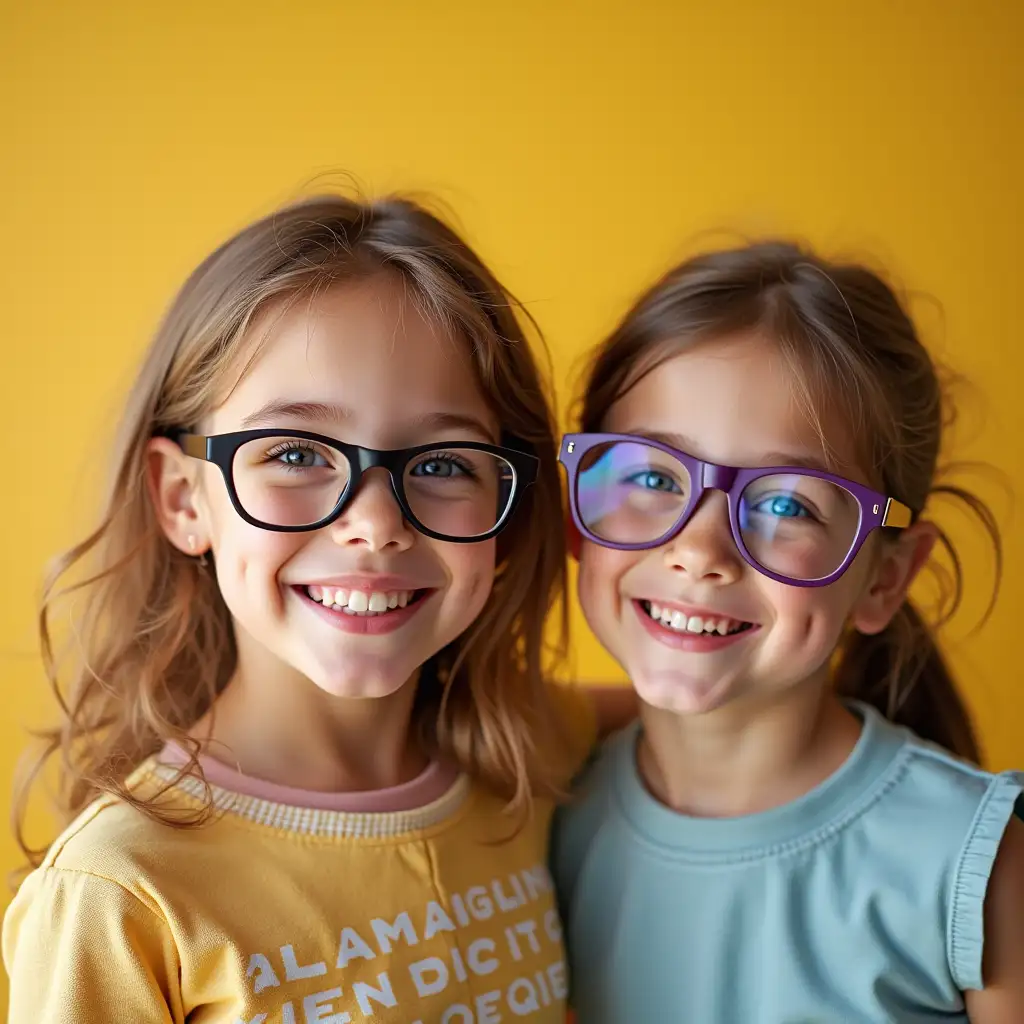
(582, 145)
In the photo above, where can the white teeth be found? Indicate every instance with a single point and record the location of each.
(360, 602)
(695, 624)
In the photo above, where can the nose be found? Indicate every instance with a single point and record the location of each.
(704, 549)
(373, 518)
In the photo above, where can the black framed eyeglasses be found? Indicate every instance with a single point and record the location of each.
(293, 481)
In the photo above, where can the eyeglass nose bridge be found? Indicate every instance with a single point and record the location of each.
(712, 478)
(717, 478)
(371, 458)
(364, 459)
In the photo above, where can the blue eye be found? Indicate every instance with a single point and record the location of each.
(435, 467)
(783, 506)
(298, 458)
(296, 455)
(444, 465)
(654, 481)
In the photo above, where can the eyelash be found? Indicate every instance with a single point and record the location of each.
(295, 445)
(450, 458)
(289, 446)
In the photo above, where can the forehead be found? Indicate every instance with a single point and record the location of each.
(365, 350)
(732, 400)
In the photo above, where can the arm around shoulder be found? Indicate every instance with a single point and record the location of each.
(81, 949)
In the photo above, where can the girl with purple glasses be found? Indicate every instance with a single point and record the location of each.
(795, 829)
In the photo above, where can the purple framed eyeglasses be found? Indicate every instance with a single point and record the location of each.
(797, 526)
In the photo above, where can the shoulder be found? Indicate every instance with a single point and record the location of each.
(952, 823)
(940, 797)
(115, 843)
(86, 936)
(941, 811)
(111, 839)
(92, 885)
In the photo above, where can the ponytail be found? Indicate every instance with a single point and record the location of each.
(901, 672)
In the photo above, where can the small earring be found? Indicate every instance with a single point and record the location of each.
(192, 549)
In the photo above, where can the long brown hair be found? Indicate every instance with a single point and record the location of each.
(153, 646)
(853, 350)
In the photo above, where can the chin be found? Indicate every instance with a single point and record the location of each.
(680, 693)
(360, 678)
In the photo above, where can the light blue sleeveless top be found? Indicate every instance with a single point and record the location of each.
(859, 902)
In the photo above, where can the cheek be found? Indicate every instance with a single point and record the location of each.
(470, 571)
(254, 553)
(247, 558)
(601, 570)
(814, 616)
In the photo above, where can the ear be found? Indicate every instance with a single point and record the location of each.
(897, 564)
(172, 478)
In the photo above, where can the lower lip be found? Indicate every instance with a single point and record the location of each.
(367, 625)
(701, 643)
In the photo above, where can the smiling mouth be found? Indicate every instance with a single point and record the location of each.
(696, 625)
(363, 603)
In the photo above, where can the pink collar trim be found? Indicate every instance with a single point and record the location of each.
(435, 780)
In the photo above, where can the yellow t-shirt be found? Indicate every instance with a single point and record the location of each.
(278, 914)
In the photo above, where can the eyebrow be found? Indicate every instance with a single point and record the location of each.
(789, 459)
(786, 460)
(274, 412)
(277, 409)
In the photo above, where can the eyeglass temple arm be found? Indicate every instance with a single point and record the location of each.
(192, 444)
(896, 514)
